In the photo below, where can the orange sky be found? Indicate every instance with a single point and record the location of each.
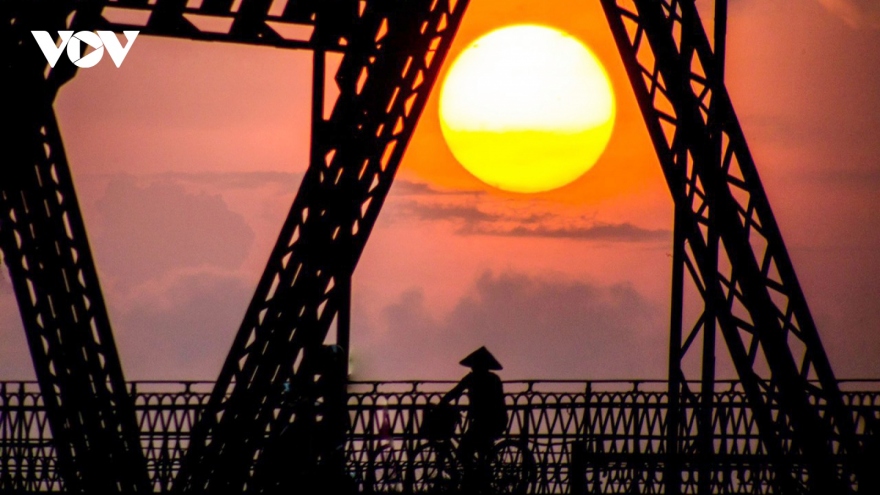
(187, 158)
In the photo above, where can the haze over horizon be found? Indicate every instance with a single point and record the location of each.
(187, 158)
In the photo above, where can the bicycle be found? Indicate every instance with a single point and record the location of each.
(434, 466)
(388, 473)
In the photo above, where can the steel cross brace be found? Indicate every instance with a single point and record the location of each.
(385, 83)
(385, 77)
(279, 24)
(758, 301)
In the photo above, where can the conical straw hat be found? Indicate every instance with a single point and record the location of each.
(481, 359)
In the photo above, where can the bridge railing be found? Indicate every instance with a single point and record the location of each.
(590, 436)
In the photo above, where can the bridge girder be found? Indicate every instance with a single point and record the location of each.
(726, 238)
(392, 51)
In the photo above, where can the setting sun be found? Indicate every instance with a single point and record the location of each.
(527, 108)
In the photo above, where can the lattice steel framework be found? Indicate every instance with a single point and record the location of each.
(45, 247)
(392, 51)
(725, 238)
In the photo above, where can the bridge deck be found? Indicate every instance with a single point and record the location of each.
(601, 437)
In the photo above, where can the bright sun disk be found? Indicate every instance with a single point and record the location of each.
(527, 108)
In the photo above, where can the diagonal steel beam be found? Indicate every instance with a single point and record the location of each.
(392, 59)
(46, 250)
(668, 136)
(760, 306)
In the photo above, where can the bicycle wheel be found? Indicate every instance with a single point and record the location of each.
(433, 470)
(512, 466)
(388, 470)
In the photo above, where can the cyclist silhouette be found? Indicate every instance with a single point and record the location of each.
(486, 412)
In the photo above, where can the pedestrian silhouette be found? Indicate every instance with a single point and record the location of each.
(486, 412)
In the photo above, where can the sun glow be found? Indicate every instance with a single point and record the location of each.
(527, 108)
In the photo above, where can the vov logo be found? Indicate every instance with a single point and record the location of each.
(74, 44)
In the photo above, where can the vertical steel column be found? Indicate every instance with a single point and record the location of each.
(676, 380)
(706, 429)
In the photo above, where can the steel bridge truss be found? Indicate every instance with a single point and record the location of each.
(725, 239)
